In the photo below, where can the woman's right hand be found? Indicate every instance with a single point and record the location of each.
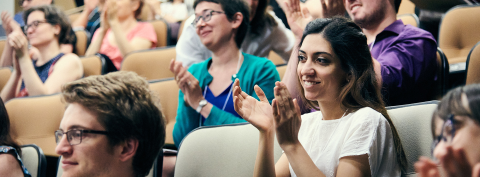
(286, 113)
(19, 43)
(258, 113)
(104, 25)
(297, 19)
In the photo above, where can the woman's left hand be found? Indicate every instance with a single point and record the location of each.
(426, 168)
(187, 83)
(19, 43)
(286, 113)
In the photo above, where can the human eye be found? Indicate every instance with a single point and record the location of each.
(302, 58)
(322, 60)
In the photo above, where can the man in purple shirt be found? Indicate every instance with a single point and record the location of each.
(404, 55)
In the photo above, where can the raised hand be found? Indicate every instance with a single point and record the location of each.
(111, 11)
(90, 4)
(455, 163)
(286, 113)
(426, 168)
(9, 25)
(104, 24)
(19, 43)
(258, 113)
(187, 83)
(331, 8)
(297, 19)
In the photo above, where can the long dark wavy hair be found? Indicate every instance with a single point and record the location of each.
(361, 90)
(261, 18)
(5, 138)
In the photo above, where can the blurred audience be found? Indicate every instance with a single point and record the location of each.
(89, 19)
(173, 12)
(10, 151)
(267, 33)
(205, 96)
(112, 126)
(456, 132)
(352, 135)
(44, 68)
(120, 33)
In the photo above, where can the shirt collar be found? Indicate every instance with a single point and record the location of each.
(396, 27)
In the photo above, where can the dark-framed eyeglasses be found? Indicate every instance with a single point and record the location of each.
(34, 24)
(206, 16)
(74, 136)
(448, 132)
(21, 2)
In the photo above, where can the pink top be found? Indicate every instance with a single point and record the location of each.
(142, 30)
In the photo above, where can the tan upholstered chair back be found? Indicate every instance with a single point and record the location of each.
(5, 73)
(161, 29)
(93, 65)
(82, 40)
(152, 64)
(167, 90)
(275, 58)
(409, 19)
(413, 123)
(227, 150)
(34, 120)
(459, 32)
(473, 65)
(74, 16)
(2, 45)
(406, 7)
(281, 70)
(34, 160)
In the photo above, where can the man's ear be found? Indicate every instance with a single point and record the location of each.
(128, 149)
(237, 20)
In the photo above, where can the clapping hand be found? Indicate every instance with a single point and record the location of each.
(9, 25)
(187, 83)
(453, 162)
(19, 42)
(258, 113)
(287, 118)
(297, 19)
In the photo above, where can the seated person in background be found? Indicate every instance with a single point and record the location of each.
(267, 33)
(112, 126)
(173, 12)
(46, 71)
(27, 4)
(404, 56)
(10, 151)
(456, 132)
(351, 136)
(205, 96)
(120, 33)
(89, 19)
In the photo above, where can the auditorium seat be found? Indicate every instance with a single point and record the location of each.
(409, 19)
(82, 40)
(161, 29)
(473, 65)
(406, 7)
(459, 32)
(413, 124)
(167, 91)
(93, 65)
(5, 73)
(34, 160)
(442, 75)
(226, 150)
(275, 58)
(3, 41)
(73, 16)
(281, 70)
(33, 120)
(152, 64)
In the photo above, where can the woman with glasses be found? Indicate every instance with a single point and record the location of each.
(456, 130)
(10, 162)
(206, 88)
(45, 71)
(120, 33)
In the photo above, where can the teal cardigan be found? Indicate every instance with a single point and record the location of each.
(254, 71)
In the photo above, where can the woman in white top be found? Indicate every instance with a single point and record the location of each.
(352, 135)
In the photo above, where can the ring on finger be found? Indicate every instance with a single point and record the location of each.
(189, 82)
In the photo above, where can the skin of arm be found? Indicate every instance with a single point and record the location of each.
(97, 42)
(7, 56)
(123, 44)
(10, 88)
(10, 166)
(68, 68)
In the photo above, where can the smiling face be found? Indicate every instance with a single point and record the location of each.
(319, 69)
(44, 32)
(366, 12)
(218, 30)
(93, 156)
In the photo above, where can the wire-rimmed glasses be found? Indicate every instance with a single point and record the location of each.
(75, 136)
(447, 134)
(34, 24)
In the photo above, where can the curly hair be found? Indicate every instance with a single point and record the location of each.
(127, 108)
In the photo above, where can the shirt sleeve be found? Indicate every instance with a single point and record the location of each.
(284, 39)
(407, 62)
(190, 49)
(146, 31)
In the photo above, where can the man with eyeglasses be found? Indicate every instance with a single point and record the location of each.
(112, 126)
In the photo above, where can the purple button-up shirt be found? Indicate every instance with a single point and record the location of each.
(407, 56)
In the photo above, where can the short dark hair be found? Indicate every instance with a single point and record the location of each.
(127, 109)
(452, 103)
(397, 5)
(5, 137)
(231, 7)
(361, 90)
(55, 16)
